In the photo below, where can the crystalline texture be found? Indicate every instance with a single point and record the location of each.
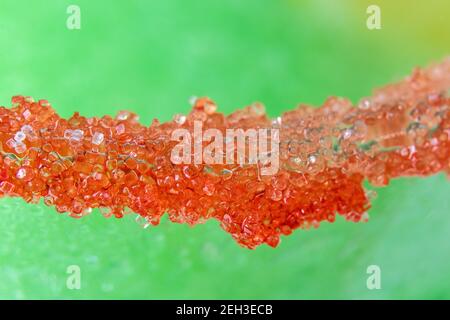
(325, 155)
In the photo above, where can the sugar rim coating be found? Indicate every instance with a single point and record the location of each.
(325, 154)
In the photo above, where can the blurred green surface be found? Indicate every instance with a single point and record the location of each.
(150, 57)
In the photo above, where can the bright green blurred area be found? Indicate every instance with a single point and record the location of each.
(150, 57)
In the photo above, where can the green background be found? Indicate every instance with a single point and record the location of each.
(150, 57)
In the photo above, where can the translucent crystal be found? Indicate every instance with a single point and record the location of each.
(179, 119)
(77, 135)
(97, 138)
(11, 143)
(120, 129)
(68, 134)
(364, 104)
(26, 114)
(123, 115)
(19, 136)
(20, 147)
(312, 159)
(347, 133)
(27, 129)
(21, 173)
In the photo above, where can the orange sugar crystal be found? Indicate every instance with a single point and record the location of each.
(325, 154)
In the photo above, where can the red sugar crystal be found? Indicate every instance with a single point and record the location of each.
(325, 155)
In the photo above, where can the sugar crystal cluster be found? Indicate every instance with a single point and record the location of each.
(325, 154)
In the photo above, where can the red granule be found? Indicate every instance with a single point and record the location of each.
(325, 154)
